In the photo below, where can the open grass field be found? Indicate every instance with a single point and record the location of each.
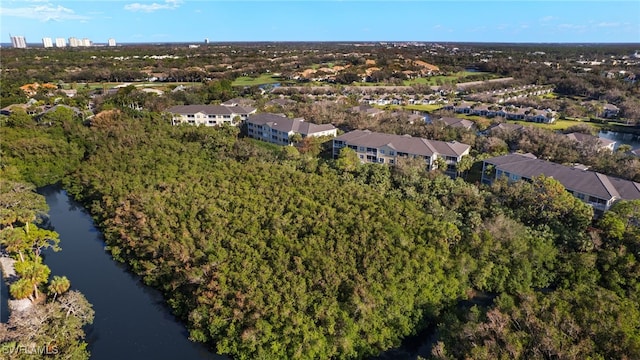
(562, 124)
(455, 78)
(427, 108)
(260, 80)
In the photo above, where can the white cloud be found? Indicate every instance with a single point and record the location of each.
(574, 27)
(608, 24)
(44, 12)
(547, 18)
(167, 5)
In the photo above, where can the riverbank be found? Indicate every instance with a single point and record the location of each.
(131, 319)
(9, 277)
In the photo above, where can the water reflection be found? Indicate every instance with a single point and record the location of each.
(131, 319)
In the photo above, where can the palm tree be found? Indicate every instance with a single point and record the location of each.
(15, 241)
(21, 289)
(34, 273)
(59, 285)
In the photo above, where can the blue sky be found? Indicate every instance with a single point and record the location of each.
(301, 20)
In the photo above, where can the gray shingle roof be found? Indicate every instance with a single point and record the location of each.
(282, 123)
(582, 181)
(404, 143)
(580, 137)
(457, 122)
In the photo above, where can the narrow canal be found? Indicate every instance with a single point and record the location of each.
(131, 319)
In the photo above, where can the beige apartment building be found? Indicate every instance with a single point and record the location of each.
(278, 129)
(373, 147)
(208, 115)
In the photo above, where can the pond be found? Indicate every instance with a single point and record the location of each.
(621, 138)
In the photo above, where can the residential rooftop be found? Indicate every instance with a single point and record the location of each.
(574, 179)
(404, 143)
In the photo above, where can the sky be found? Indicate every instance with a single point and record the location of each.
(157, 21)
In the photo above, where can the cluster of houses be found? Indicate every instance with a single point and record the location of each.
(510, 94)
(546, 116)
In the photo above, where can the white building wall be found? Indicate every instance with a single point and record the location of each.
(47, 43)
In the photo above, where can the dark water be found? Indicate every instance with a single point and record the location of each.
(621, 138)
(4, 296)
(131, 319)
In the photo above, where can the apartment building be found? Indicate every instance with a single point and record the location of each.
(208, 115)
(61, 42)
(19, 42)
(74, 42)
(598, 190)
(383, 148)
(278, 129)
(47, 42)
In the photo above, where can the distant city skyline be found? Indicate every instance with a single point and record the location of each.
(158, 21)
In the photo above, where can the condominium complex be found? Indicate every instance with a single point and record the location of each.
(19, 42)
(596, 189)
(278, 129)
(61, 42)
(111, 42)
(208, 115)
(47, 42)
(383, 148)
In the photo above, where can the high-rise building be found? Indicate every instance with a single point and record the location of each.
(61, 42)
(86, 42)
(206, 40)
(47, 43)
(19, 42)
(74, 42)
(111, 42)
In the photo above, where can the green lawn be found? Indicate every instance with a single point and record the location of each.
(260, 80)
(427, 108)
(560, 124)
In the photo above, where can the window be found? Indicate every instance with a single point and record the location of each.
(361, 148)
(381, 160)
(391, 152)
(361, 156)
(382, 152)
(191, 116)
